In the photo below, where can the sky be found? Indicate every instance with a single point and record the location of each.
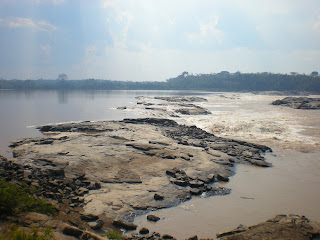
(153, 40)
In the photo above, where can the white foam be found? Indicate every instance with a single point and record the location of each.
(248, 117)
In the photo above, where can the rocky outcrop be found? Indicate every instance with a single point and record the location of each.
(292, 227)
(171, 106)
(60, 230)
(299, 102)
(181, 99)
(123, 168)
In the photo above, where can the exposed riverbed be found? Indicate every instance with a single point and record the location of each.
(290, 186)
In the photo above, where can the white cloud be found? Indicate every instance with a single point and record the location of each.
(48, 1)
(151, 64)
(172, 21)
(207, 31)
(316, 25)
(28, 23)
(108, 3)
(119, 35)
(46, 49)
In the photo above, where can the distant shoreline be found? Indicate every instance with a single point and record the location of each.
(223, 81)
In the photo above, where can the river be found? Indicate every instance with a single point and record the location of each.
(290, 186)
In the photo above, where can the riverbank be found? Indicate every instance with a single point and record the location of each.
(255, 113)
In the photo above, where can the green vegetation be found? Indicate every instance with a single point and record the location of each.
(223, 81)
(14, 233)
(15, 198)
(112, 235)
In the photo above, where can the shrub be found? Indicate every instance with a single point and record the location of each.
(14, 233)
(113, 235)
(15, 199)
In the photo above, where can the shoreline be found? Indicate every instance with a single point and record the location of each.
(142, 146)
(164, 163)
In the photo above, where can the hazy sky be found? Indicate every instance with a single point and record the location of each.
(153, 40)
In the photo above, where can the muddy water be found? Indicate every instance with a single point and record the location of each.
(290, 186)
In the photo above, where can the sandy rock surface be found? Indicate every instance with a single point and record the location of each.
(139, 164)
(291, 226)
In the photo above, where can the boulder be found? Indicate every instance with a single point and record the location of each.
(72, 231)
(144, 231)
(124, 225)
(158, 197)
(153, 218)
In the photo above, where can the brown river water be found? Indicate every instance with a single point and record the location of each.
(290, 186)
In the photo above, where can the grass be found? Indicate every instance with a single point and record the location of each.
(113, 235)
(15, 198)
(14, 233)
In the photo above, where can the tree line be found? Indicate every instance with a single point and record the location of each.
(223, 81)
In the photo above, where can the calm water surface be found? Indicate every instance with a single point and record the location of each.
(22, 109)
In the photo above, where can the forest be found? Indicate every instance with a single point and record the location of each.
(223, 81)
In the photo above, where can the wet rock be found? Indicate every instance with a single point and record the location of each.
(88, 217)
(280, 227)
(222, 178)
(96, 225)
(196, 192)
(167, 236)
(72, 231)
(144, 231)
(193, 111)
(196, 184)
(182, 99)
(153, 218)
(299, 102)
(158, 197)
(124, 225)
(180, 183)
(193, 238)
(259, 163)
(172, 172)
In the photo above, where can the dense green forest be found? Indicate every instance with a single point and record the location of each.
(223, 81)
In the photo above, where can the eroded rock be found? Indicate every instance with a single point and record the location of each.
(292, 226)
(116, 169)
(299, 102)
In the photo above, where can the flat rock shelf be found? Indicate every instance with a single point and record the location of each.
(126, 168)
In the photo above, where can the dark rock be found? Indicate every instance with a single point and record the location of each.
(196, 192)
(167, 236)
(96, 225)
(72, 231)
(180, 183)
(222, 178)
(172, 172)
(124, 225)
(88, 217)
(299, 102)
(281, 227)
(153, 218)
(193, 238)
(259, 163)
(144, 231)
(196, 184)
(157, 197)
(205, 179)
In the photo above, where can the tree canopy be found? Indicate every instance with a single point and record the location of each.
(223, 81)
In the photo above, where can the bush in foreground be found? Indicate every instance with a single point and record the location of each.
(14, 233)
(15, 199)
